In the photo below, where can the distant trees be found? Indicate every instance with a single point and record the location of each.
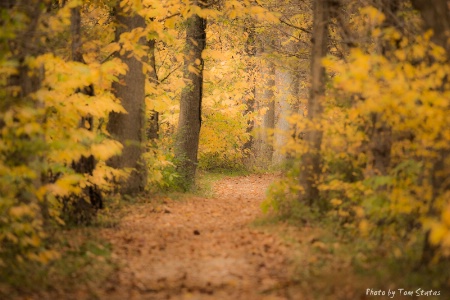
(282, 56)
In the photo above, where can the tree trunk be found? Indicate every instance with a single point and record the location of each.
(268, 122)
(189, 121)
(249, 100)
(129, 129)
(286, 82)
(153, 121)
(264, 99)
(75, 30)
(311, 160)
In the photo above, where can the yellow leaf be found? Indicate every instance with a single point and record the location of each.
(359, 211)
(35, 241)
(363, 227)
(66, 185)
(170, 23)
(193, 69)
(438, 231)
(336, 202)
(18, 212)
(374, 15)
(446, 216)
(106, 149)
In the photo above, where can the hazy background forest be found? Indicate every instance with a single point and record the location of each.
(108, 102)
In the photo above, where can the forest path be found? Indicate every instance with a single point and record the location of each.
(200, 248)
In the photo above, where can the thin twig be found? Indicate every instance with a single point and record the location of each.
(170, 73)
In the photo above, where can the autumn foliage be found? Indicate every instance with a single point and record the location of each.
(43, 130)
(385, 141)
(382, 164)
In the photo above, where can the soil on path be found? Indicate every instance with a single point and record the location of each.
(200, 248)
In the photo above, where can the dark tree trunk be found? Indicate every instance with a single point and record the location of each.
(129, 128)
(189, 121)
(268, 121)
(75, 30)
(153, 121)
(311, 160)
(250, 50)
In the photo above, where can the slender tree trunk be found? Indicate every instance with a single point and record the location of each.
(129, 129)
(286, 82)
(250, 50)
(264, 99)
(153, 122)
(311, 160)
(75, 30)
(268, 122)
(189, 121)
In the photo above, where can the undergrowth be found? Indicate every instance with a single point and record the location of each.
(327, 253)
(85, 259)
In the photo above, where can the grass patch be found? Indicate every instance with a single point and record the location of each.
(204, 185)
(85, 261)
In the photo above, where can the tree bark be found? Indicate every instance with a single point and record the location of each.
(311, 160)
(75, 30)
(153, 121)
(264, 99)
(286, 82)
(250, 51)
(267, 99)
(129, 129)
(189, 122)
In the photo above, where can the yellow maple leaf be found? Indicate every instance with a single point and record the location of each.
(438, 232)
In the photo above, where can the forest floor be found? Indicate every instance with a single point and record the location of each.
(212, 248)
(216, 247)
(200, 248)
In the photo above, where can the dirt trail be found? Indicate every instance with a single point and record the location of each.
(200, 248)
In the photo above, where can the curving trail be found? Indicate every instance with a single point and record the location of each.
(200, 248)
